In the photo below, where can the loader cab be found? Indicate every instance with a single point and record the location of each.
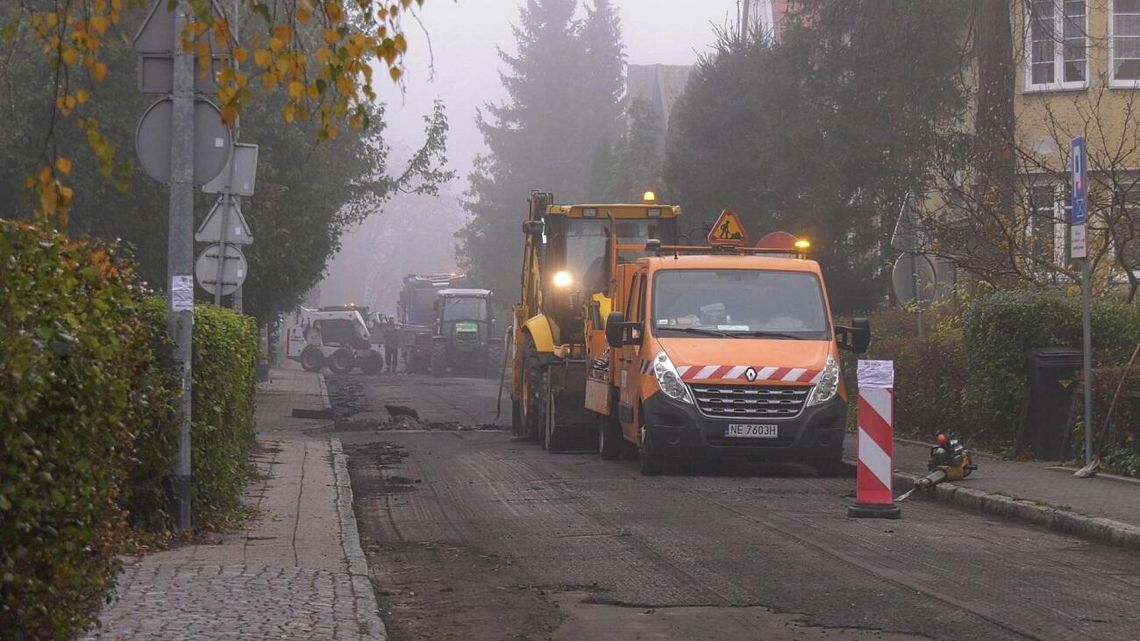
(579, 257)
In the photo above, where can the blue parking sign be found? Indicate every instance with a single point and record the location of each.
(1080, 186)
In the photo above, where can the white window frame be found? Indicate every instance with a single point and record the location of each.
(1028, 85)
(1060, 220)
(1112, 81)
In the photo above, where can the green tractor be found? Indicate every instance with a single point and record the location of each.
(465, 341)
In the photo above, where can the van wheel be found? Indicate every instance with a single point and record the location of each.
(651, 463)
(828, 468)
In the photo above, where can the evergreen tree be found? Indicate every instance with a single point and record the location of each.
(564, 86)
(603, 56)
(823, 133)
(636, 160)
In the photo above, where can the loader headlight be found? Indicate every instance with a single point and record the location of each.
(669, 380)
(828, 384)
(563, 279)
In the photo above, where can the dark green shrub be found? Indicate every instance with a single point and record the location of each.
(146, 494)
(930, 372)
(225, 379)
(998, 331)
(1118, 441)
(73, 354)
(930, 376)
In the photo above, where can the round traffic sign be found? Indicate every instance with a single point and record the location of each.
(213, 141)
(914, 279)
(234, 269)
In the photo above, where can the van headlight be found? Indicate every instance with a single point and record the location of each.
(669, 380)
(828, 384)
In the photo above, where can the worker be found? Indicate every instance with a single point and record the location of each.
(391, 343)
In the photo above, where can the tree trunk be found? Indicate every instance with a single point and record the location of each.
(995, 122)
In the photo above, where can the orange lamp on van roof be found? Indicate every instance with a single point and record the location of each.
(782, 240)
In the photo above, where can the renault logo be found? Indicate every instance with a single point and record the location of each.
(750, 374)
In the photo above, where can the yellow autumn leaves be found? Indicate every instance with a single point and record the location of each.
(319, 52)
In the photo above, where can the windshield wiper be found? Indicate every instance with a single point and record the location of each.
(696, 330)
(765, 334)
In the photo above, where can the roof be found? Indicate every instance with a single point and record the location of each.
(617, 210)
(464, 292)
(661, 85)
(732, 261)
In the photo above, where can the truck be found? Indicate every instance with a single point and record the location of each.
(569, 257)
(416, 314)
(337, 337)
(722, 351)
(466, 339)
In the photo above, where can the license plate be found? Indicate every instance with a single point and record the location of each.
(751, 430)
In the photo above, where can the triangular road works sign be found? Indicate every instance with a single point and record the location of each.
(728, 230)
(237, 231)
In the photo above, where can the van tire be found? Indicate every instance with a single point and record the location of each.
(650, 462)
(828, 468)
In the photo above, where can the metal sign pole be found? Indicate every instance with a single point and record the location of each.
(1078, 247)
(1086, 331)
(180, 253)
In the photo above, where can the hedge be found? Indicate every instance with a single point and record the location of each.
(999, 329)
(969, 374)
(1120, 442)
(87, 429)
(223, 435)
(74, 359)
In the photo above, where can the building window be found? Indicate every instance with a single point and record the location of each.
(1124, 30)
(1046, 226)
(1057, 55)
(1126, 245)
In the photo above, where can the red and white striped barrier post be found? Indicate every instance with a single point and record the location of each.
(874, 496)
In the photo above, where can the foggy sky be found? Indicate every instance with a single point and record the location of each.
(464, 34)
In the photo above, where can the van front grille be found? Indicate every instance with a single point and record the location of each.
(728, 401)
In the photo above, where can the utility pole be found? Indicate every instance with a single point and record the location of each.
(180, 252)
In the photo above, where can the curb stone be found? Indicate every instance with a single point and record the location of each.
(1096, 529)
(326, 403)
(367, 611)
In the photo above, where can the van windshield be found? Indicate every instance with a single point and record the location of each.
(739, 303)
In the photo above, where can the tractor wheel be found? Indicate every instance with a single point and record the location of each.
(312, 360)
(516, 419)
(551, 440)
(438, 358)
(342, 361)
(531, 392)
(493, 360)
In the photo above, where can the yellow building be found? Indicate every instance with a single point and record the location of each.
(1076, 73)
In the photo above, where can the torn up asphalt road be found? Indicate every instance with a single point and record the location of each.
(470, 535)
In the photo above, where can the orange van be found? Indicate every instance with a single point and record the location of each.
(724, 354)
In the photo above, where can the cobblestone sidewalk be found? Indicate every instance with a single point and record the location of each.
(292, 575)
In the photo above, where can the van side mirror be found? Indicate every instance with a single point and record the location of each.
(856, 338)
(615, 329)
(532, 227)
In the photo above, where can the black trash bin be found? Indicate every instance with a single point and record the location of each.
(1054, 374)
